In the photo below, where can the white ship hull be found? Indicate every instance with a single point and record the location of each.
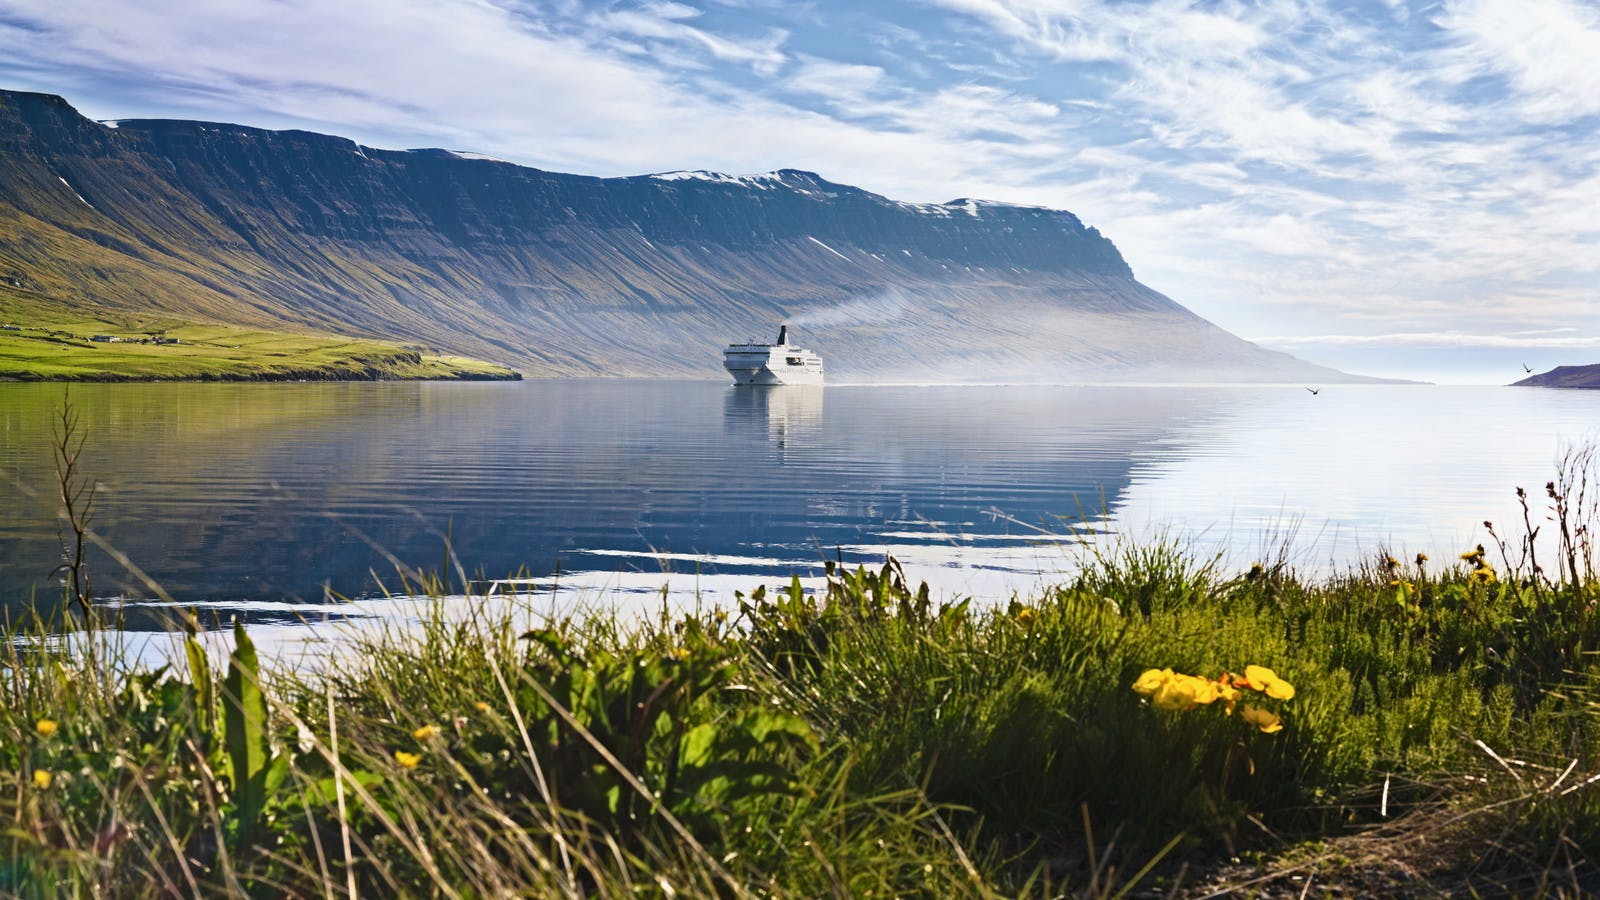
(772, 364)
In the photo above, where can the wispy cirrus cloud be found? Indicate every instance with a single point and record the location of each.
(1546, 50)
(667, 21)
(1311, 167)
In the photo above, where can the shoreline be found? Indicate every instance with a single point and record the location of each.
(209, 377)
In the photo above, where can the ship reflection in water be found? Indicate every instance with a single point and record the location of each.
(781, 413)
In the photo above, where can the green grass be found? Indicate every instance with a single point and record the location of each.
(866, 740)
(47, 340)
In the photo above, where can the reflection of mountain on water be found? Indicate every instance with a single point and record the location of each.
(783, 412)
(266, 492)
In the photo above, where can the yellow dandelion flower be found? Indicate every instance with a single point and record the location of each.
(1152, 679)
(42, 778)
(46, 727)
(426, 732)
(1422, 558)
(1483, 574)
(407, 760)
(481, 706)
(1262, 719)
(1025, 615)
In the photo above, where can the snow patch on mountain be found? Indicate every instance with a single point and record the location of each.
(829, 249)
(75, 192)
(764, 181)
(468, 154)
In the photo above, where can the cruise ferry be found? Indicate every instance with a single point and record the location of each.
(780, 363)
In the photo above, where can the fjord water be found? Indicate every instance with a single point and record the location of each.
(271, 496)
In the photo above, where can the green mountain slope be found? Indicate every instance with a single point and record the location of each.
(558, 274)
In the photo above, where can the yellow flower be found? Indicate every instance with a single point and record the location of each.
(407, 760)
(1025, 615)
(42, 778)
(1151, 680)
(1267, 681)
(45, 727)
(1205, 690)
(1261, 719)
(1227, 693)
(425, 732)
(1182, 692)
(1175, 694)
(1474, 556)
(1422, 558)
(481, 706)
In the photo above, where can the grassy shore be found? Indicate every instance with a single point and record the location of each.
(1426, 727)
(44, 340)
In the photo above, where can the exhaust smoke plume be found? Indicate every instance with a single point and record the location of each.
(883, 308)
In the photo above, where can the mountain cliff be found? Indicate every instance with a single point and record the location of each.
(558, 274)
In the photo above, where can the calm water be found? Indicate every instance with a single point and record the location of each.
(262, 497)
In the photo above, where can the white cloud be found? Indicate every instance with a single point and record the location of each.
(842, 82)
(1512, 341)
(665, 22)
(1547, 49)
(666, 9)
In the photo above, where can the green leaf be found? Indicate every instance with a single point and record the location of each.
(205, 698)
(698, 746)
(249, 746)
(326, 790)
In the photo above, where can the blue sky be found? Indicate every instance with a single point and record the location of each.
(1397, 188)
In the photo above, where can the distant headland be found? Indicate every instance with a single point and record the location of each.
(1565, 377)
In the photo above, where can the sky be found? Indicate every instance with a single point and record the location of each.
(1409, 189)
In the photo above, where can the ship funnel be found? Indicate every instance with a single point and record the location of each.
(783, 335)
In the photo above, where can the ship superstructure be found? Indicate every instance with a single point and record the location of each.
(771, 364)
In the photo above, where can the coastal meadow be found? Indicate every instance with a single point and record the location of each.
(1157, 723)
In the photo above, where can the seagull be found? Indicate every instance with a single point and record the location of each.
(1314, 391)
(1526, 368)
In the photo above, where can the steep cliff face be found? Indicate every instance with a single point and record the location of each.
(566, 274)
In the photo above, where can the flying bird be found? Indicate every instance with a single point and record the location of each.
(1314, 391)
(1526, 368)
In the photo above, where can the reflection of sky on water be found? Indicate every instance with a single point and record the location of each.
(247, 496)
(1355, 469)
